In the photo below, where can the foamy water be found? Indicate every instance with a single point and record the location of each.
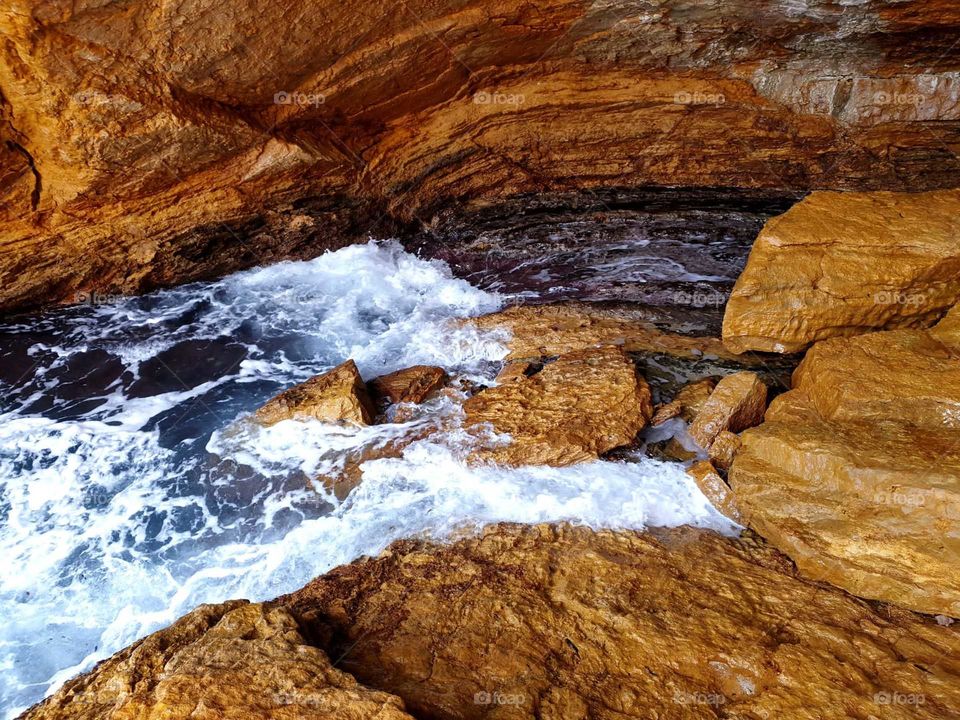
(128, 496)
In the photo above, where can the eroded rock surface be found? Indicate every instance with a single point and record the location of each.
(414, 384)
(576, 408)
(847, 263)
(145, 144)
(856, 472)
(335, 396)
(230, 661)
(569, 623)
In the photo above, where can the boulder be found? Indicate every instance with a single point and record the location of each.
(855, 473)
(233, 661)
(715, 489)
(335, 396)
(563, 622)
(840, 264)
(693, 396)
(576, 408)
(413, 385)
(514, 371)
(736, 403)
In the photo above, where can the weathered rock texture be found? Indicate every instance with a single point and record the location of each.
(229, 661)
(538, 331)
(414, 384)
(335, 396)
(715, 489)
(146, 143)
(568, 623)
(576, 408)
(846, 263)
(856, 472)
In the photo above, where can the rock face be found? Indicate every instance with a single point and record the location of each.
(715, 489)
(575, 409)
(539, 331)
(335, 396)
(855, 473)
(144, 144)
(568, 623)
(230, 661)
(736, 403)
(414, 384)
(846, 263)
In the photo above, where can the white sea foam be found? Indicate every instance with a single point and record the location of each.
(116, 519)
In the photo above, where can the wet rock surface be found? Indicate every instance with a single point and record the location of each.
(737, 402)
(578, 407)
(568, 623)
(234, 660)
(413, 384)
(335, 396)
(847, 263)
(855, 473)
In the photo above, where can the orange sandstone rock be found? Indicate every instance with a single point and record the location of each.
(576, 408)
(724, 449)
(335, 396)
(855, 473)
(846, 263)
(234, 661)
(715, 488)
(414, 384)
(736, 403)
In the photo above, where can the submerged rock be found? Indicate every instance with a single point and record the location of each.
(576, 408)
(562, 622)
(846, 263)
(855, 473)
(335, 396)
(736, 403)
(234, 660)
(413, 385)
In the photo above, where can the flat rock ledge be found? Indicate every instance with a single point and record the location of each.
(551, 622)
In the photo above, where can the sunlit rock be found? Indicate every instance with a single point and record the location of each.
(411, 385)
(335, 396)
(576, 408)
(236, 660)
(736, 403)
(855, 473)
(847, 263)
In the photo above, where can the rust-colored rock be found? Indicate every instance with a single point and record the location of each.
(569, 623)
(513, 371)
(235, 661)
(736, 403)
(335, 396)
(540, 331)
(147, 144)
(693, 396)
(846, 263)
(413, 385)
(575, 409)
(868, 502)
(724, 449)
(715, 488)
(666, 411)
